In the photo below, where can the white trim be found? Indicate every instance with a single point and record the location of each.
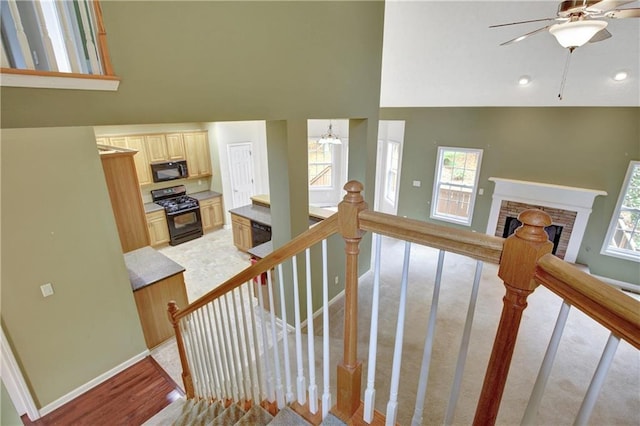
(54, 82)
(579, 200)
(92, 383)
(14, 382)
(623, 285)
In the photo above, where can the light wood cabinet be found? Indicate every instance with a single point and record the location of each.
(241, 228)
(151, 302)
(175, 146)
(141, 160)
(211, 212)
(196, 150)
(158, 228)
(156, 148)
(126, 200)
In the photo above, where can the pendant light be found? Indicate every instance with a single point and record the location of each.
(330, 137)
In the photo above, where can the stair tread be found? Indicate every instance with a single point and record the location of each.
(288, 417)
(256, 416)
(231, 415)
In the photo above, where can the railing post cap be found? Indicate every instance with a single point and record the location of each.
(533, 223)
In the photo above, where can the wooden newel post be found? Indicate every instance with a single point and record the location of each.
(519, 256)
(350, 370)
(186, 373)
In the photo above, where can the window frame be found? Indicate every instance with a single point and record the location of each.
(391, 167)
(437, 182)
(607, 249)
(331, 163)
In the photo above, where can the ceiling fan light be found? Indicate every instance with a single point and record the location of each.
(576, 33)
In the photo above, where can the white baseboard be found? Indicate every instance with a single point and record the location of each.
(91, 384)
(620, 284)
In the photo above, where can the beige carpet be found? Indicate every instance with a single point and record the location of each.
(579, 353)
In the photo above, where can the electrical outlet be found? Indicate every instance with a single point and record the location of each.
(46, 289)
(336, 280)
(417, 183)
(480, 191)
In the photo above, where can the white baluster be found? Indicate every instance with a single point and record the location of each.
(242, 331)
(370, 392)
(228, 347)
(256, 348)
(326, 394)
(207, 385)
(428, 345)
(300, 381)
(222, 353)
(196, 373)
(90, 45)
(464, 347)
(234, 332)
(285, 337)
(25, 49)
(252, 377)
(531, 412)
(276, 352)
(311, 353)
(67, 36)
(597, 381)
(217, 363)
(392, 405)
(271, 393)
(46, 40)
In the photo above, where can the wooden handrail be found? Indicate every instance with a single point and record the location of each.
(102, 41)
(308, 238)
(610, 307)
(475, 245)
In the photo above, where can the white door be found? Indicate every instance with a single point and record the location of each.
(241, 173)
(389, 160)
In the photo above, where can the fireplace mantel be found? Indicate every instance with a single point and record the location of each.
(579, 200)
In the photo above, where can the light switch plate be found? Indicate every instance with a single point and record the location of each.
(46, 289)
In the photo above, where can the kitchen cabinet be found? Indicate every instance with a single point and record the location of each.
(211, 212)
(126, 201)
(157, 228)
(241, 228)
(164, 147)
(196, 149)
(140, 159)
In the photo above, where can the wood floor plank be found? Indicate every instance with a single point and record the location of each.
(129, 398)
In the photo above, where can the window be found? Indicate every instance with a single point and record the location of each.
(455, 184)
(45, 42)
(623, 237)
(393, 160)
(320, 164)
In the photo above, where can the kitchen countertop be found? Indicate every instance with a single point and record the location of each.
(261, 251)
(147, 266)
(255, 213)
(314, 212)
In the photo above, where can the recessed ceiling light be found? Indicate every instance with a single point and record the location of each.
(620, 75)
(524, 80)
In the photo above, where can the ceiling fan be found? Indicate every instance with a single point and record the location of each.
(578, 22)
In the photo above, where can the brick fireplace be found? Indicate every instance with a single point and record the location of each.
(569, 208)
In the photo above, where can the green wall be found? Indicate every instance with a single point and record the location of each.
(8, 413)
(581, 147)
(58, 228)
(179, 62)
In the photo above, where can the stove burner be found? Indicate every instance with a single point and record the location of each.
(177, 204)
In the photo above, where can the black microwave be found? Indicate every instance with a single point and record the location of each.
(170, 170)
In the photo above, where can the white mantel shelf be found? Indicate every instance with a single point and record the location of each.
(579, 200)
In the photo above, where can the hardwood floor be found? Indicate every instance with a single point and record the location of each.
(129, 398)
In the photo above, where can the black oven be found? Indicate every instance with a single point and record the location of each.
(182, 212)
(170, 170)
(184, 225)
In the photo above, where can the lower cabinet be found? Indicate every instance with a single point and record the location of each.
(241, 227)
(211, 212)
(151, 302)
(158, 228)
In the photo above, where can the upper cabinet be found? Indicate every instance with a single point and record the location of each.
(196, 148)
(191, 146)
(164, 147)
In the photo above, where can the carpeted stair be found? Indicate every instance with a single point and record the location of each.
(202, 413)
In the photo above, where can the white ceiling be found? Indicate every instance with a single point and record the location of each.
(442, 53)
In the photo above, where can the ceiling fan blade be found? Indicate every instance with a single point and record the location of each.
(606, 5)
(623, 13)
(522, 37)
(522, 22)
(600, 35)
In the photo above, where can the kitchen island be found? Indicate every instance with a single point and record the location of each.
(155, 280)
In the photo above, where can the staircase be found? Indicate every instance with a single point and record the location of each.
(190, 412)
(236, 345)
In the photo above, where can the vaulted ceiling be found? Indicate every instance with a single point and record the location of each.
(443, 53)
